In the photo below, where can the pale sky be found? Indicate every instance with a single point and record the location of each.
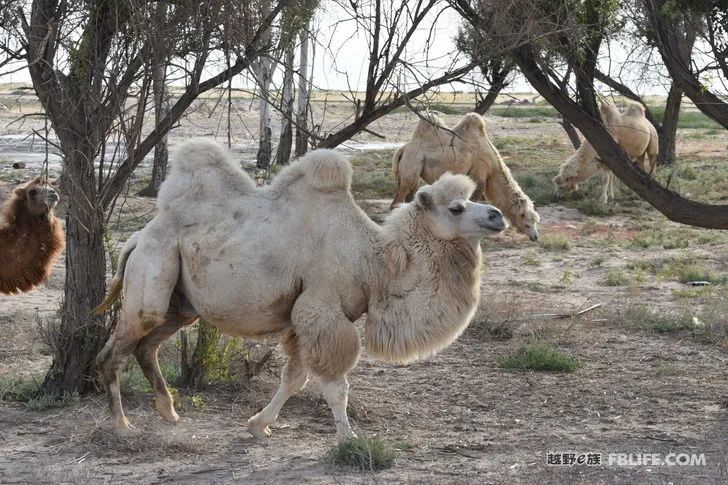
(341, 56)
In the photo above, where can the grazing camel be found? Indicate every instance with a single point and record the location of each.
(631, 130)
(31, 237)
(435, 149)
(300, 260)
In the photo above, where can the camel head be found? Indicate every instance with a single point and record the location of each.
(526, 218)
(40, 198)
(449, 213)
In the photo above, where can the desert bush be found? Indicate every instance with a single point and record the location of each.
(555, 243)
(615, 277)
(363, 453)
(540, 356)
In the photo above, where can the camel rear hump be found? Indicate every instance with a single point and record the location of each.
(323, 170)
(201, 168)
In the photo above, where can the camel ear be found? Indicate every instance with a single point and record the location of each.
(424, 199)
(20, 192)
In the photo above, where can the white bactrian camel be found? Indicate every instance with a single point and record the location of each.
(631, 130)
(465, 148)
(300, 260)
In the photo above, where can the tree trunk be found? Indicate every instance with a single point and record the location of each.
(484, 104)
(80, 336)
(571, 133)
(195, 371)
(285, 142)
(161, 152)
(668, 130)
(303, 96)
(498, 83)
(263, 69)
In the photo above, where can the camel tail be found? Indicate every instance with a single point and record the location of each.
(395, 164)
(117, 284)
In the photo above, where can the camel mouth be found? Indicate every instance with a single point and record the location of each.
(494, 224)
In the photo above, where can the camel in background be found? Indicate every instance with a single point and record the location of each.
(465, 149)
(31, 237)
(631, 130)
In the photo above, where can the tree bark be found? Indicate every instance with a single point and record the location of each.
(668, 130)
(671, 204)
(263, 69)
(80, 335)
(303, 96)
(496, 86)
(571, 133)
(195, 371)
(161, 151)
(285, 142)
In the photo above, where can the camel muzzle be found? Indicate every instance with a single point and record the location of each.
(494, 221)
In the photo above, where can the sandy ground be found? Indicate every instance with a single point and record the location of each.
(455, 418)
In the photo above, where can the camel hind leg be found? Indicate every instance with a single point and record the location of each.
(146, 354)
(110, 361)
(150, 277)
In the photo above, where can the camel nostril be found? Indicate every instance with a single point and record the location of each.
(494, 216)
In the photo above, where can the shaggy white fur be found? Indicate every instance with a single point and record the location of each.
(465, 148)
(299, 259)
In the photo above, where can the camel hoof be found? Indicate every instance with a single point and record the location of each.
(172, 417)
(256, 429)
(125, 430)
(167, 412)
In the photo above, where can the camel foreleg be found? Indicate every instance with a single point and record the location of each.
(293, 379)
(329, 347)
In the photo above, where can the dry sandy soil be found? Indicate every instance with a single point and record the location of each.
(458, 417)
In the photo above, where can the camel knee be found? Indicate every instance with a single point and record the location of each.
(332, 351)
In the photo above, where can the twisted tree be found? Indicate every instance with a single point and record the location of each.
(89, 62)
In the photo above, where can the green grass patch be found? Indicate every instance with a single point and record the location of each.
(363, 453)
(538, 186)
(540, 356)
(530, 258)
(641, 318)
(373, 177)
(591, 206)
(24, 390)
(555, 243)
(688, 119)
(615, 277)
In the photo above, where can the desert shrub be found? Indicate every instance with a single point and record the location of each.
(363, 453)
(555, 243)
(540, 356)
(591, 206)
(24, 390)
(615, 277)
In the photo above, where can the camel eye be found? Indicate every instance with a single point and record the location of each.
(457, 210)
(32, 192)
